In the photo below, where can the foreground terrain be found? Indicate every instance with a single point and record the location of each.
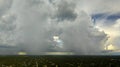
(59, 61)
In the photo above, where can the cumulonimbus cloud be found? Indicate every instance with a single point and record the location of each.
(35, 22)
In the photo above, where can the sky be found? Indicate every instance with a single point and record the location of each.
(79, 26)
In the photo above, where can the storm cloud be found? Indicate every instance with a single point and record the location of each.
(30, 25)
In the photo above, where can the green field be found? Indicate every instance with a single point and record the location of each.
(59, 61)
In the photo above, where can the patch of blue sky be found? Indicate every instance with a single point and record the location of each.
(106, 16)
(99, 16)
(113, 17)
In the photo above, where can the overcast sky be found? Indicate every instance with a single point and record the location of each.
(80, 26)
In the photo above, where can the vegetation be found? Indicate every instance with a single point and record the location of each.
(59, 61)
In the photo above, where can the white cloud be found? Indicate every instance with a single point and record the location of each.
(113, 33)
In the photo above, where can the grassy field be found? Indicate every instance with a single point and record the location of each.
(59, 61)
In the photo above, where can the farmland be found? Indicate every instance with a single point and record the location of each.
(59, 61)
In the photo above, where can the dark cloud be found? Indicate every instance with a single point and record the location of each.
(65, 11)
(33, 23)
